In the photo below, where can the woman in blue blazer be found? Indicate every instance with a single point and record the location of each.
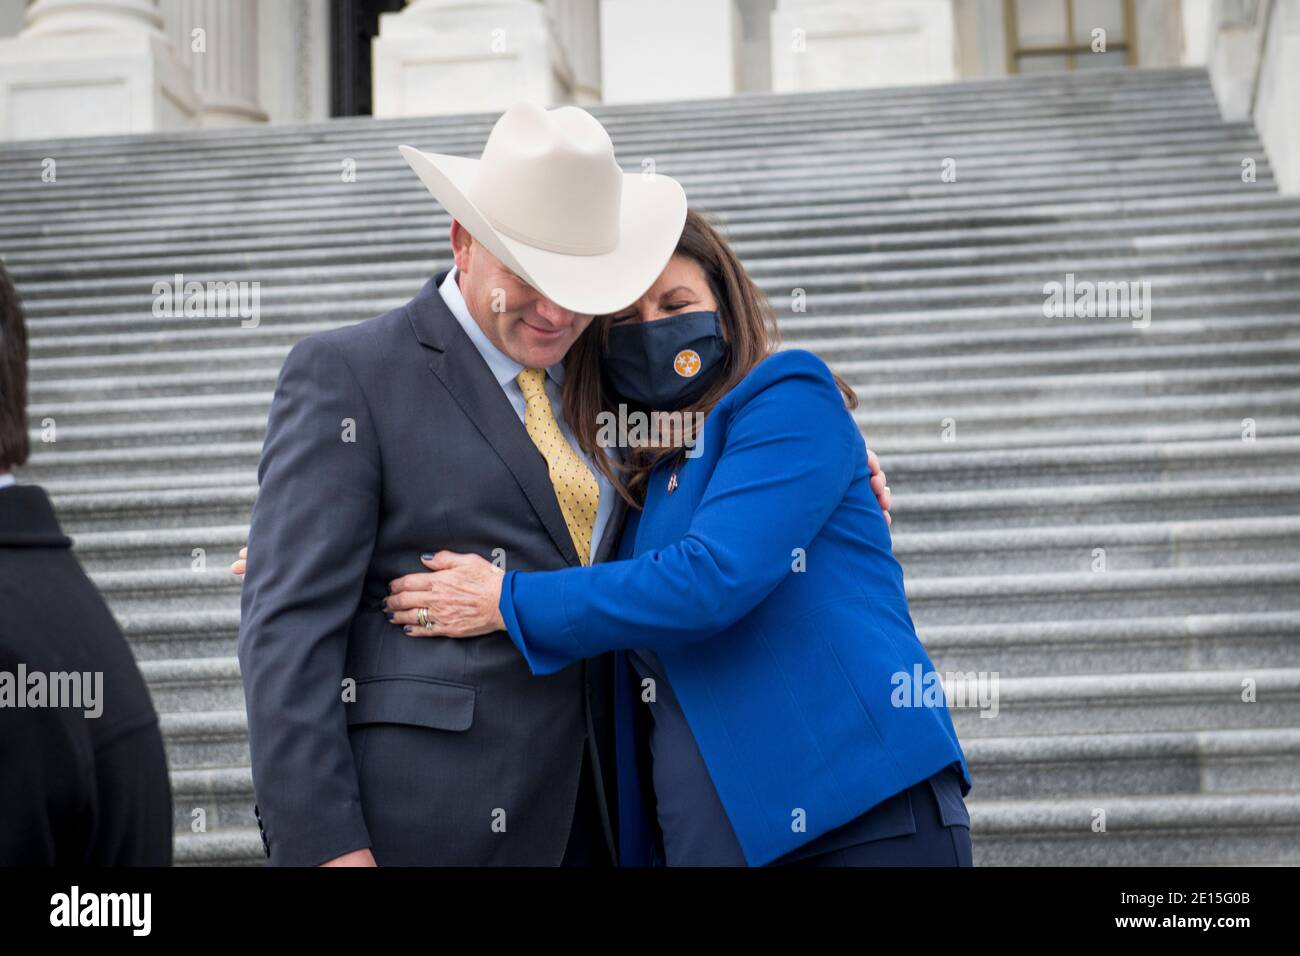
(796, 717)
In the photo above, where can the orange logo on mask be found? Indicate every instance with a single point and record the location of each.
(687, 363)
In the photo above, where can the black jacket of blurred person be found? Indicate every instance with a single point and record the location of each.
(74, 789)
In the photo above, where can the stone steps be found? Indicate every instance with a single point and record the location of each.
(1130, 702)
(1210, 829)
(1150, 355)
(1128, 546)
(1109, 644)
(200, 385)
(939, 600)
(1149, 222)
(951, 322)
(1205, 498)
(230, 420)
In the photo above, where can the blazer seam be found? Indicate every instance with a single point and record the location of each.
(865, 712)
(423, 678)
(821, 755)
(800, 613)
(735, 753)
(365, 401)
(569, 632)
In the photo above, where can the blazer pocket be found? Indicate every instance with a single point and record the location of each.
(423, 701)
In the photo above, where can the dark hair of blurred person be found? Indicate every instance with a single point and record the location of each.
(14, 444)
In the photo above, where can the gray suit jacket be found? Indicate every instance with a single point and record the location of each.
(386, 440)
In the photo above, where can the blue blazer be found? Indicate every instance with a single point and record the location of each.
(767, 585)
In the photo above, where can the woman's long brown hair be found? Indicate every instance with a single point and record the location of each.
(748, 324)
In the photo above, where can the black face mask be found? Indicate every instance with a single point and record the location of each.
(667, 363)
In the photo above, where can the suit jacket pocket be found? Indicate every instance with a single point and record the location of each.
(409, 699)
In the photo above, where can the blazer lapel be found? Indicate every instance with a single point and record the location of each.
(462, 371)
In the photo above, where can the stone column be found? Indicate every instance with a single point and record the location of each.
(294, 62)
(219, 40)
(669, 49)
(831, 44)
(1234, 54)
(577, 25)
(90, 67)
(1195, 17)
(455, 56)
(50, 17)
(1276, 115)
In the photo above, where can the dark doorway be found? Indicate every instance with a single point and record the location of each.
(353, 23)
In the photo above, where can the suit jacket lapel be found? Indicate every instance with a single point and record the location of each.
(608, 546)
(462, 371)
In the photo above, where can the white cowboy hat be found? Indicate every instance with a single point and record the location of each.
(549, 200)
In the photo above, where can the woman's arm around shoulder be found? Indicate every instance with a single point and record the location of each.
(788, 458)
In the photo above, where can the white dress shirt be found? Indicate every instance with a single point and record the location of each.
(504, 368)
(7, 479)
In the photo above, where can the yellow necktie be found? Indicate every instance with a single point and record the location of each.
(575, 485)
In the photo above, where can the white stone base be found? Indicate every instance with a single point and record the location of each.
(219, 113)
(91, 84)
(1277, 108)
(471, 58)
(862, 43)
(668, 50)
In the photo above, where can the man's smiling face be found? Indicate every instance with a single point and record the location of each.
(515, 317)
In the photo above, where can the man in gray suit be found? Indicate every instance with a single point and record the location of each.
(405, 435)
